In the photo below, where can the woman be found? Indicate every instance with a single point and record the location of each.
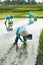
(21, 31)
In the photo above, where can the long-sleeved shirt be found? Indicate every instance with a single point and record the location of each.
(18, 32)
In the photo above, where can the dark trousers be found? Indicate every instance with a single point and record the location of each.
(16, 40)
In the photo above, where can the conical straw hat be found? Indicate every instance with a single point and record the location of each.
(23, 33)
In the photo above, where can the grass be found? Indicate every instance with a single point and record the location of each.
(14, 14)
(20, 11)
(40, 50)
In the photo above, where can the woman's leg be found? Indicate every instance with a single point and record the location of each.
(24, 42)
(15, 43)
(16, 40)
(25, 45)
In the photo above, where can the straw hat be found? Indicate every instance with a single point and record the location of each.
(23, 32)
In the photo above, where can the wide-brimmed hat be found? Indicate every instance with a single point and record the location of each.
(23, 33)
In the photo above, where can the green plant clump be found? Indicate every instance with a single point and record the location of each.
(40, 50)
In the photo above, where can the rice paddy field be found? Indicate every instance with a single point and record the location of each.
(21, 11)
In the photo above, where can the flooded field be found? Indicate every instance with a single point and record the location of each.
(8, 37)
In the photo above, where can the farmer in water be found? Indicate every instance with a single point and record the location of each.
(21, 31)
(31, 18)
(8, 21)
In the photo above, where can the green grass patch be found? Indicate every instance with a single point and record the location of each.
(20, 11)
(40, 50)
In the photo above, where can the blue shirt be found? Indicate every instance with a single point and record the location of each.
(19, 30)
(31, 15)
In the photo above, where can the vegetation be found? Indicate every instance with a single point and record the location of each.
(17, 2)
(40, 50)
(21, 10)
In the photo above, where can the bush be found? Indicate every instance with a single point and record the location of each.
(40, 50)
